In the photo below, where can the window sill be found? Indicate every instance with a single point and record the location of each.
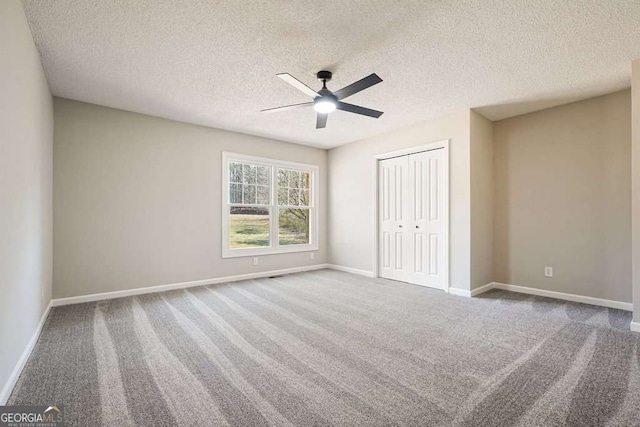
(238, 253)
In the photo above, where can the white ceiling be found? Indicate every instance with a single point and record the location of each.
(214, 63)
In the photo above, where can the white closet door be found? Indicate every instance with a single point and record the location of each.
(412, 215)
(393, 192)
(427, 210)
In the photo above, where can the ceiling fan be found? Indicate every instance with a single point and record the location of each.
(325, 101)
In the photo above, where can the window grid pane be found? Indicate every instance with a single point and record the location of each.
(235, 193)
(249, 174)
(294, 197)
(235, 172)
(249, 184)
(249, 194)
(264, 195)
(293, 188)
(294, 179)
(283, 178)
(264, 175)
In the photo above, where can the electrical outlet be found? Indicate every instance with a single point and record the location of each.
(312, 255)
(255, 261)
(548, 271)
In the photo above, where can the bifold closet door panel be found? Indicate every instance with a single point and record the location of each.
(426, 209)
(393, 190)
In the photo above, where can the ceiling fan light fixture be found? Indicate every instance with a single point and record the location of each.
(325, 104)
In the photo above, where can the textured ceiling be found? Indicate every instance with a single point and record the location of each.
(214, 63)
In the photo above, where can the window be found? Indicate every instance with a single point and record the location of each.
(269, 206)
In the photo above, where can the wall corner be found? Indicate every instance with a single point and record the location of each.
(635, 187)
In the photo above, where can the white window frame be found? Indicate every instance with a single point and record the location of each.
(273, 207)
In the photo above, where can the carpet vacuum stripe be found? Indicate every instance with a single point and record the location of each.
(331, 348)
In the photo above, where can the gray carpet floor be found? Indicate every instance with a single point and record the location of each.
(331, 348)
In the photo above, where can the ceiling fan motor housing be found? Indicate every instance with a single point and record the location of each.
(324, 75)
(325, 96)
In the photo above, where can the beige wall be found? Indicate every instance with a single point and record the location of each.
(635, 89)
(26, 140)
(563, 198)
(138, 200)
(352, 186)
(481, 164)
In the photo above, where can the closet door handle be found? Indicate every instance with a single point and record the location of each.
(417, 226)
(400, 226)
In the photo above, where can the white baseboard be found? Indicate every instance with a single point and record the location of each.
(544, 293)
(472, 293)
(482, 289)
(460, 292)
(17, 370)
(160, 288)
(564, 296)
(635, 326)
(351, 270)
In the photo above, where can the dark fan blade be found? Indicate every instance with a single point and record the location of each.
(358, 86)
(298, 84)
(287, 107)
(321, 121)
(358, 110)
